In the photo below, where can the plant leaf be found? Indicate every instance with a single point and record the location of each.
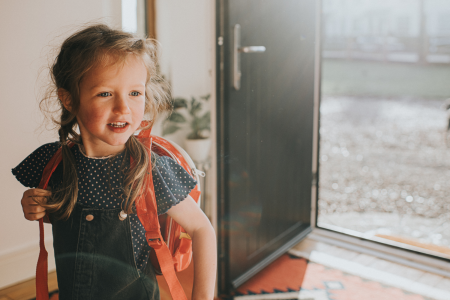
(177, 118)
(206, 97)
(193, 102)
(207, 116)
(193, 136)
(170, 129)
(179, 103)
(194, 125)
(195, 108)
(204, 122)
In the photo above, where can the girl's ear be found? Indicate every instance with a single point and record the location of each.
(65, 98)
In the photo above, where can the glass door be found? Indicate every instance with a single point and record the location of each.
(384, 158)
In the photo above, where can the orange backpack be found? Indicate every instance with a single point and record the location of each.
(171, 244)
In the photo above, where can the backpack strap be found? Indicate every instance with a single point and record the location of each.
(42, 264)
(146, 210)
(144, 134)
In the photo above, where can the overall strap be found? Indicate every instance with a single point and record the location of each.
(42, 264)
(146, 210)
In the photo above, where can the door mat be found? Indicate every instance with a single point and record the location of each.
(292, 277)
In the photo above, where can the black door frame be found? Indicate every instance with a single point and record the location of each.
(220, 111)
(223, 39)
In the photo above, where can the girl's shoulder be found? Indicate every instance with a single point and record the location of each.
(29, 171)
(171, 181)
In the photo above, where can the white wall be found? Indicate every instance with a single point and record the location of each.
(186, 31)
(27, 28)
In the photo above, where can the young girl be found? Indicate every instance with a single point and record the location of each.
(105, 82)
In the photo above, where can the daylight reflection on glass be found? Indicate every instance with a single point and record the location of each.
(384, 137)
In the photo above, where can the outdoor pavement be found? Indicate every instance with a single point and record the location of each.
(385, 167)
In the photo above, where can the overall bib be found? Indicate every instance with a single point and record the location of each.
(94, 258)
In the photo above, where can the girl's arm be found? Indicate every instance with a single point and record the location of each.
(194, 221)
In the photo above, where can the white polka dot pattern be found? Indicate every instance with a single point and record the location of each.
(98, 190)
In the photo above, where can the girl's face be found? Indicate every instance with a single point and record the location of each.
(112, 105)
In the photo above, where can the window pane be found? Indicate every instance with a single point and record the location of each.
(384, 119)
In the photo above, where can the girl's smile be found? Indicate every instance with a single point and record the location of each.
(118, 127)
(112, 105)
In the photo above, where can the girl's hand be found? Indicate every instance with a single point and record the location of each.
(31, 209)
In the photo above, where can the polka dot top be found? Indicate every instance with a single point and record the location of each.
(98, 190)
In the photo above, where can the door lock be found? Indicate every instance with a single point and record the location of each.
(237, 50)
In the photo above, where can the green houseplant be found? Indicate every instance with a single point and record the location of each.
(193, 112)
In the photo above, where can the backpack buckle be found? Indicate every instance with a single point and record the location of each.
(184, 235)
(153, 240)
(154, 243)
(198, 172)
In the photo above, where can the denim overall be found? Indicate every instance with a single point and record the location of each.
(94, 258)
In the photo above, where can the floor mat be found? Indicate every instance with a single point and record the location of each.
(291, 277)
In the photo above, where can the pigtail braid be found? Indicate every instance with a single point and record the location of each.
(134, 177)
(64, 197)
(69, 189)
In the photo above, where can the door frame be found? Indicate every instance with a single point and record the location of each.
(224, 283)
(222, 242)
(385, 249)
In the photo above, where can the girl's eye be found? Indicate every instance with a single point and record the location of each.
(135, 93)
(105, 94)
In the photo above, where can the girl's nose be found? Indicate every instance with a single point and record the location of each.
(121, 105)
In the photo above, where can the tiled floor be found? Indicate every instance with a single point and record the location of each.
(291, 277)
(351, 261)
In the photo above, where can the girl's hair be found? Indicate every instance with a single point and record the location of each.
(95, 46)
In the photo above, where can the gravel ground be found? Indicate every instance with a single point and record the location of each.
(385, 156)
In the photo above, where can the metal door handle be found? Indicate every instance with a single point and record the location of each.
(252, 49)
(237, 50)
